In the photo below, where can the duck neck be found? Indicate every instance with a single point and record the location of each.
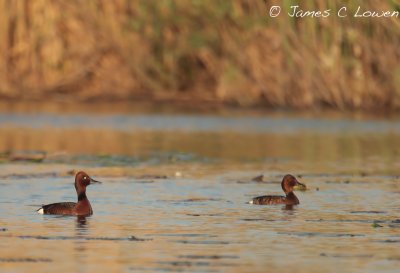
(82, 196)
(291, 196)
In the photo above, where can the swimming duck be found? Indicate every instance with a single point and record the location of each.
(289, 183)
(83, 207)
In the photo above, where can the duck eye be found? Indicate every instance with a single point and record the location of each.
(85, 177)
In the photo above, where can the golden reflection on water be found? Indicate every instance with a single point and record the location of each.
(216, 231)
(308, 151)
(195, 219)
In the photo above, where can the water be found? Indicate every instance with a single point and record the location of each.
(175, 188)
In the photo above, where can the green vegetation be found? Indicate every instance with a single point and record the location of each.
(219, 51)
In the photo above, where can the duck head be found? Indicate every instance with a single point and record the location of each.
(290, 183)
(82, 180)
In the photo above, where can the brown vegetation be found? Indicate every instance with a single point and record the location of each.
(219, 51)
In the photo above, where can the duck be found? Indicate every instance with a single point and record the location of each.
(81, 208)
(289, 184)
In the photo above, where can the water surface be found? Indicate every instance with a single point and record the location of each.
(176, 186)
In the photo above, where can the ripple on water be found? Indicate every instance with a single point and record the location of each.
(173, 269)
(205, 214)
(209, 257)
(369, 212)
(84, 238)
(344, 255)
(183, 235)
(203, 242)
(25, 260)
(189, 263)
(320, 234)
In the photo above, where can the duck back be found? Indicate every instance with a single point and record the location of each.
(63, 208)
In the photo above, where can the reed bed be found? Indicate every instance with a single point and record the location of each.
(228, 52)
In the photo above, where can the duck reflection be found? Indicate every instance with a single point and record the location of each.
(289, 210)
(288, 207)
(82, 225)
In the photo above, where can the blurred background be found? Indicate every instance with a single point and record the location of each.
(224, 52)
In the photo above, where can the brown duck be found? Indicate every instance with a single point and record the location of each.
(289, 183)
(83, 207)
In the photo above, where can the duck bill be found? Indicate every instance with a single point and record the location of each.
(92, 181)
(300, 187)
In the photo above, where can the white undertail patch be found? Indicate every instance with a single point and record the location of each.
(40, 211)
(250, 202)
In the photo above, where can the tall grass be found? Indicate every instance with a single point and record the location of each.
(222, 51)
